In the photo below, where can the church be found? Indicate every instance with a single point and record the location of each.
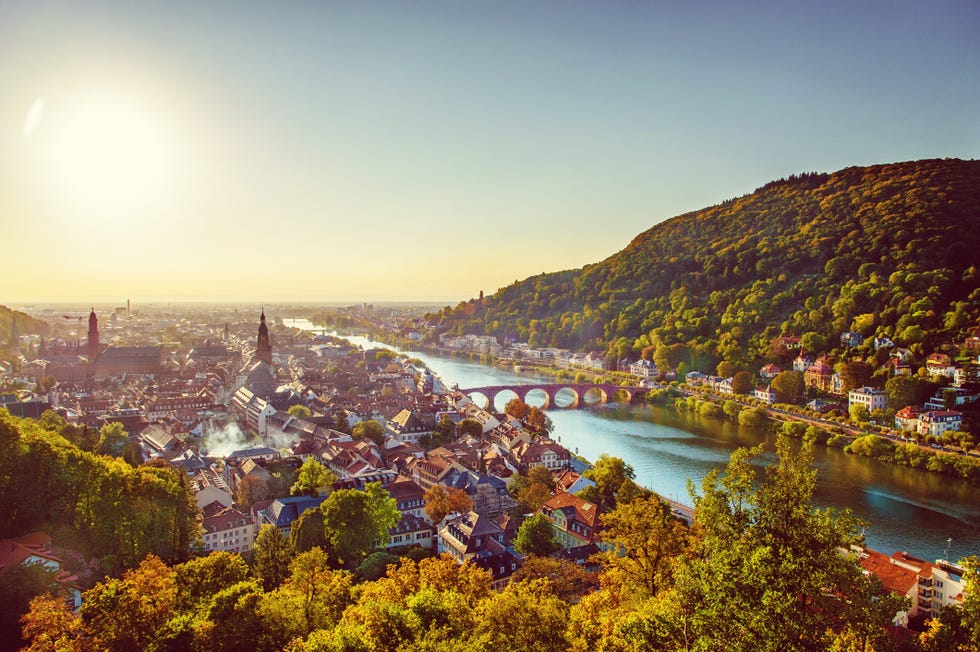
(119, 360)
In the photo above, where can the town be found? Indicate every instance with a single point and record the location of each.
(268, 421)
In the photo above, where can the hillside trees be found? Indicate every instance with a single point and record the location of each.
(120, 513)
(763, 543)
(812, 257)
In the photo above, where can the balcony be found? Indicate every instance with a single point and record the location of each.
(925, 581)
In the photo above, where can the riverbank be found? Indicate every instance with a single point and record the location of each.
(853, 441)
(903, 509)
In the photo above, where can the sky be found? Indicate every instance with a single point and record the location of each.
(411, 150)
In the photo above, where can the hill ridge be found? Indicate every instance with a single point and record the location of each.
(805, 253)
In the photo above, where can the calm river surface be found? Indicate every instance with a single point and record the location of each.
(904, 509)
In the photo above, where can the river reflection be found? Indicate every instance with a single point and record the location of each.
(904, 509)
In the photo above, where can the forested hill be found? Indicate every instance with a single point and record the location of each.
(885, 250)
(26, 325)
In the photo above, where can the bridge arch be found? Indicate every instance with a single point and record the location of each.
(480, 398)
(599, 394)
(543, 405)
(502, 395)
(575, 396)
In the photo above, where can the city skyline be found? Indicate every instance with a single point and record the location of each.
(427, 152)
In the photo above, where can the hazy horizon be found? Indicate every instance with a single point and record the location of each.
(390, 152)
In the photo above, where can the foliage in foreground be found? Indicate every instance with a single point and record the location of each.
(760, 569)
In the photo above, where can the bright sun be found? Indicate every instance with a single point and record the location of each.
(109, 155)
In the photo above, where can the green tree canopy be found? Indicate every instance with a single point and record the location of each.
(356, 521)
(271, 556)
(369, 429)
(536, 537)
(314, 479)
(763, 543)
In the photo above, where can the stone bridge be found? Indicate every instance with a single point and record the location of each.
(579, 390)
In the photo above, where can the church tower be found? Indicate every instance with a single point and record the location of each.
(263, 349)
(93, 336)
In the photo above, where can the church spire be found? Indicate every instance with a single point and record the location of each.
(93, 336)
(263, 348)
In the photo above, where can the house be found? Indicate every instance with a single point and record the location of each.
(227, 529)
(930, 587)
(695, 378)
(959, 396)
(869, 397)
(802, 362)
(940, 365)
(572, 482)
(282, 512)
(789, 342)
(850, 339)
(473, 538)
(238, 470)
(541, 452)
(770, 371)
(908, 418)
(821, 406)
(898, 368)
(411, 530)
(765, 394)
(409, 496)
(643, 369)
(818, 376)
(488, 493)
(883, 343)
(252, 409)
(575, 521)
(35, 548)
(724, 386)
(407, 427)
(936, 422)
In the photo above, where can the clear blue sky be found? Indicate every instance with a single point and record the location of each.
(428, 150)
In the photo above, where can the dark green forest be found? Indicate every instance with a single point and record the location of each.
(886, 250)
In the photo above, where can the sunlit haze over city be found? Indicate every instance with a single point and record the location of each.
(430, 150)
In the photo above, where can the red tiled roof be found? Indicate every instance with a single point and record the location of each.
(893, 577)
(585, 511)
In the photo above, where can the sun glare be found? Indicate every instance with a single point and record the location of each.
(104, 154)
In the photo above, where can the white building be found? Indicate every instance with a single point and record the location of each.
(869, 397)
(936, 422)
(227, 529)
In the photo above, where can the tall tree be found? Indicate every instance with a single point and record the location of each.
(50, 626)
(742, 382)
(441, 501)
(123, 615)
(358, 521)
(762, 543)
(539, 422)
(324, 593)
(609, 473)
(199, 579)
(308, 532)
(788, 386)
(646, 539)
(470, 427)
(271, 556)
(516, 408)
(536, 537)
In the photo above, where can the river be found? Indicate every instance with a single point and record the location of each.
(904, 509)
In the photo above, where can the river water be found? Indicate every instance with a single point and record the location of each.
(904, 509)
